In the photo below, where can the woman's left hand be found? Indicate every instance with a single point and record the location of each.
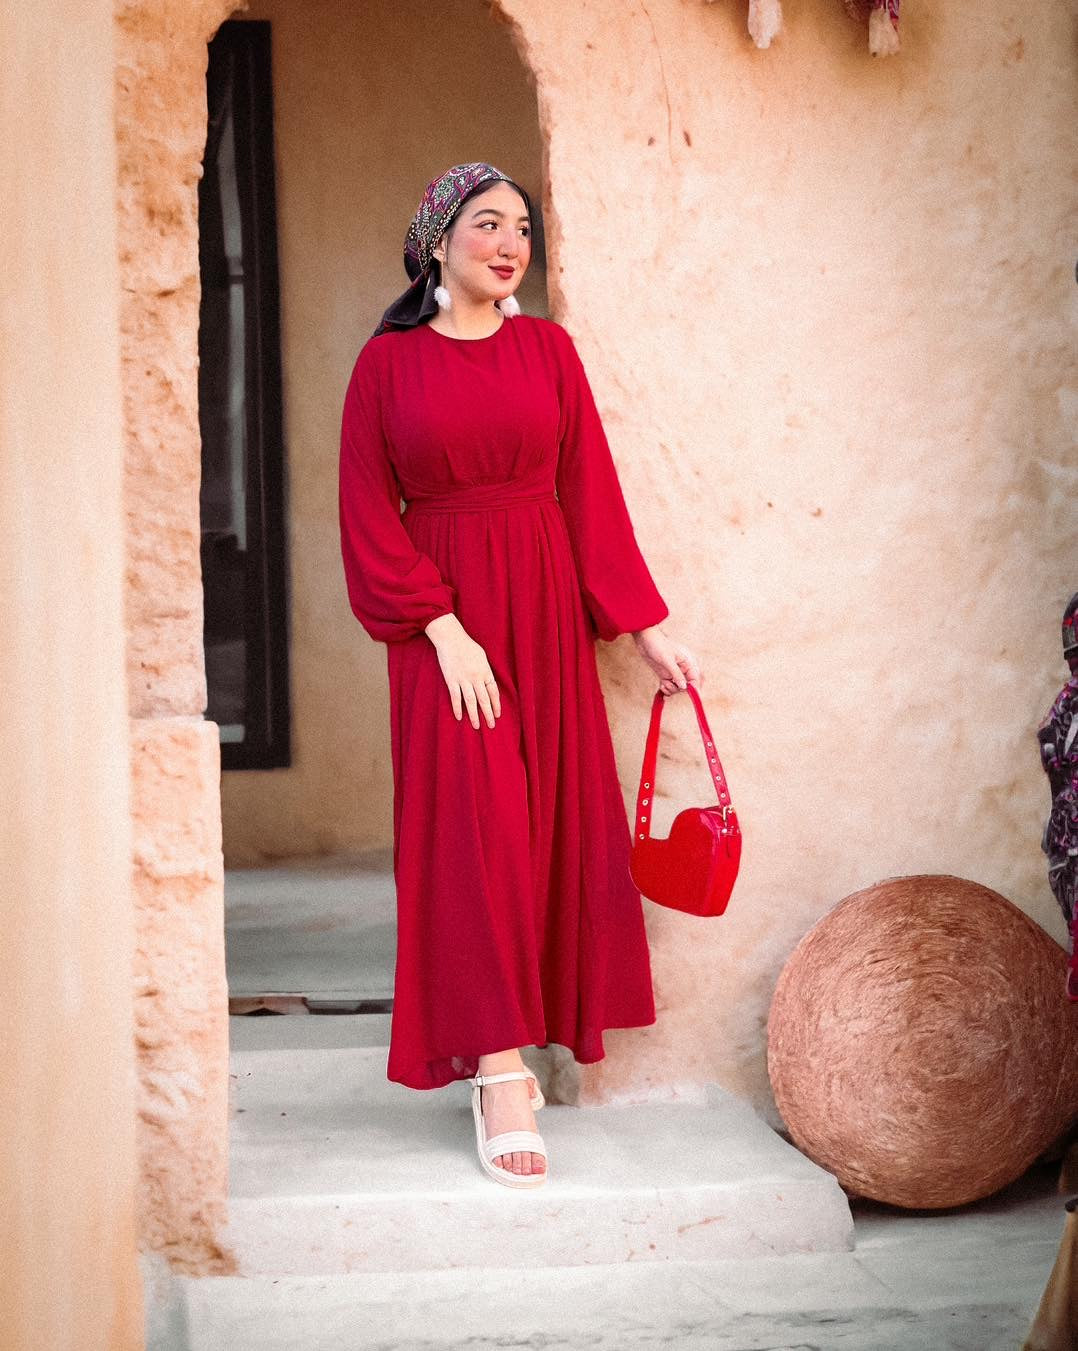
(671, 661)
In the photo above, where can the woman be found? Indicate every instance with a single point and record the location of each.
(518, 923)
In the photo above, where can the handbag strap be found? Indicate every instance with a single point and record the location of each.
(646, 793)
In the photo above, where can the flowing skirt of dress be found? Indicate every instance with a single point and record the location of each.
(517, 920)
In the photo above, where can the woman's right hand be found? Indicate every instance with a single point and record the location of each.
(466, 670)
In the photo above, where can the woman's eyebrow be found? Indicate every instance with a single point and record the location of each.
(484, 209)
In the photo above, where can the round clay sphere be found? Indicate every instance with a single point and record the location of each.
(920, 1045)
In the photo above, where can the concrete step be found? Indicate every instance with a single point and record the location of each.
(300, 1030)
(322, 927)
(904, 1300)
(964, 1280)
(334, 1170)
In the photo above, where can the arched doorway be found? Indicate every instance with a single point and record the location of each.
(342, 116)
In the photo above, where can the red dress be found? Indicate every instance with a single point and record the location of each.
(518, 923)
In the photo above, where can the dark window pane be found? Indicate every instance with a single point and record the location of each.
(243, 489)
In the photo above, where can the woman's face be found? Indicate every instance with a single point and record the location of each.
(487, 249)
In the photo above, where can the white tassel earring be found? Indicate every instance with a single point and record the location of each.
(510, 306)
(441, 295)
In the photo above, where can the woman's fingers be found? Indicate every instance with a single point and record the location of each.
(478, 696)
(687, 664)
(470, 702)
(482, 691)
(495, 695)
(468, 677)
(676, 668)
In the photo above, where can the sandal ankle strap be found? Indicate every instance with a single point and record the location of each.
(497, 1078)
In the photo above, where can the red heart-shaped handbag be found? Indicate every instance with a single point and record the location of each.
(695, 867)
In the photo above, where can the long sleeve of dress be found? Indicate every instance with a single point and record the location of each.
(393, 588)
(618, 590)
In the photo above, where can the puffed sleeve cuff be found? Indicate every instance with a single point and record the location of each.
(610, 625)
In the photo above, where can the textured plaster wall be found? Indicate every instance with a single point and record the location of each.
(827, 303)
(181, 998)
(371, 101)
(69, 1280)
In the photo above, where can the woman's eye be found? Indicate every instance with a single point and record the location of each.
(525, 229)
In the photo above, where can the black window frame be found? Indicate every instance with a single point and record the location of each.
(240, 54)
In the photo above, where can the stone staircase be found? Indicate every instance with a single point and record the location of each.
(362, 1222)
(343, 1185)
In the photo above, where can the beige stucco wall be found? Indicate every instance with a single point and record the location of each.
(69, 1280)
(371, 101)
(827, 302)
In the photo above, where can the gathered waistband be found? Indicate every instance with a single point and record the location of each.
(481, 497)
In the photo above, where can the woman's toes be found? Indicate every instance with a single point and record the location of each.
(521, 1163)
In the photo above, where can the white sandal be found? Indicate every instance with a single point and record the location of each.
(536, 1100)
(508, 1142)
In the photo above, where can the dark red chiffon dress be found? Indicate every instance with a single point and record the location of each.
(518, 923)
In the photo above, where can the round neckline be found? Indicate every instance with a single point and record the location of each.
(485, 338)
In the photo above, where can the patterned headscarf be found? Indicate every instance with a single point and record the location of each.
(444, 197)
